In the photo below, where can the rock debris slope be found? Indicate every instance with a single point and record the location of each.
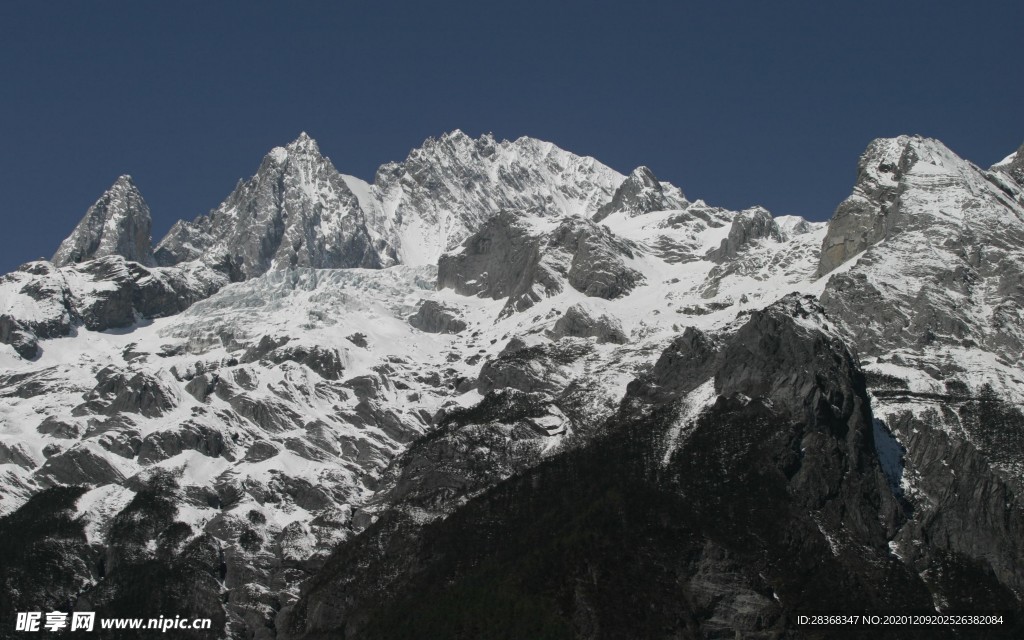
(505, 391)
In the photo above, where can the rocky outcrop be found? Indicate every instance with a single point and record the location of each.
(297, 211)
(748, 226)
(164, 444)
(773, 483)
(506, 260)
(542, 368)
(1013, 166)
(433, 317)
(580, 322)
(681, 368)
(597, 259)
(24, 341)
(501, 260)
(948, 270)
(82, 464)
(641, 193)
(119, 224)
(119, 391)
(470, 451)
(328, 363)
(103, 293)
(448, 188)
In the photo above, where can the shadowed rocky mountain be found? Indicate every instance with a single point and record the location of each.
(505, 391)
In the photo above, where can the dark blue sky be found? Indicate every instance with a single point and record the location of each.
(738, 103)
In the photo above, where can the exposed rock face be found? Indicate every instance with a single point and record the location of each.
(1013, 166)
(505, 259)
(864, 218)
(80, 465)
(39, 301)
(948, 273)
(325, 361)
(791, 226)
(829, 507)
(291, 455)
(580, 322)
(598, 266)
(119, 224)
(501, 260)
(445, 190)
(641, 193)
(433, 317)
(747, 227)
(165, 444)
(23, 340)
(297, 211)
(536, 369)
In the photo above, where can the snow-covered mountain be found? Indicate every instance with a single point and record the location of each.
(118, 224)
(333, 397)
(297, 211)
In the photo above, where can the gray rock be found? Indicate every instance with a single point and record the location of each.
(58, 428)
(641, 193)
(681, 368)
(503, 260)
(119, 224)
(79, 465)
(748, 226)
(270, 415)
(543, 368)
(190, 436)
(17, 453)
(358, 339)
(324, 361)
(277, 219)
(202, 386)
(24, 342)
(935, 232)
(579, 322)
(1015, 167)
(869, 214)
(500, 260)
(447, 189)
(261, 450)
(432, 317)
(100, 294)
(143, 394)
(125, 443)
(119, 391)
(597, 266)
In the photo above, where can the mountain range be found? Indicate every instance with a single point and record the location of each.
(504, 391)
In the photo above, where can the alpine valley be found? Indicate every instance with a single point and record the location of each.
(504, 391)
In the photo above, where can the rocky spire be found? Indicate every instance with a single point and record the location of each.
(1013, 166)
(118, 224)
(296, 211)
(640, 193)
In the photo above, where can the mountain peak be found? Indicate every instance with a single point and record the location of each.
(118, 223)
(303, 144)
(1013, 165)
(644, 175)
(641, 193)
(296, 211)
